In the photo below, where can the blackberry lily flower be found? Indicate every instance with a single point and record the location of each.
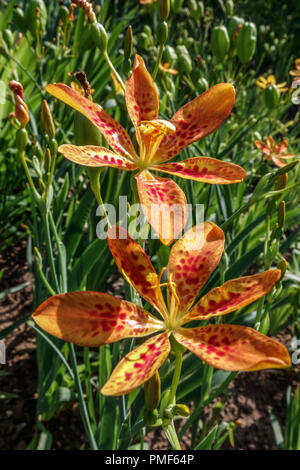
(158, 141)
(93, 318)
(273, 151)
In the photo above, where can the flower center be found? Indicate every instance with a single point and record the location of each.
(149, 135)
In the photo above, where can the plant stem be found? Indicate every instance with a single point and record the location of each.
(82, 404)
(176, 377)
(114, 71)
(158, 60)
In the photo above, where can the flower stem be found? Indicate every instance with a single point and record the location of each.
(176, 377)
(158, 60)
(114, 71)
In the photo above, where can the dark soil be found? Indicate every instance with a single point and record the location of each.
(249, 398)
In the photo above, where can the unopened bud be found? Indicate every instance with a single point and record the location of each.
(152, 392)
(282, 266)
(99, 36)
(151, 418)
(47, 120)
(181, 410)
(281, 181)
(128, 43)
(21, 139)
(163, 9)
(281, 214)
(162, 33)
(47, 160)
(21, 110)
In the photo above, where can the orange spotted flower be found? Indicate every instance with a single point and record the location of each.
(273, 151)
(158, 141)
(262, 82)
(93, 318)
(296, 73)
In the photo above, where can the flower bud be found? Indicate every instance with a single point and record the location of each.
(152, 392)
(281, 214)
(176, 5)
(21, 110)
(151, 418)
(219, 42)
(47, 120)
(271, 96)
(47, 160)
(181, 410)
(234, 23)
(128, 44)
(162, 33)
(163, 9)
(202, 85)
(246, 42)
(99, 36)
(229, 7)
(282, 266)
(21, 139)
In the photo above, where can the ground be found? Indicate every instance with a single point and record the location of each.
(249, 398)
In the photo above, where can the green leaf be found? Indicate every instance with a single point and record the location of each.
(207, 442)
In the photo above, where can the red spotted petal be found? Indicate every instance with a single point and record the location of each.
(93, 156)
(282, 146)
(234, 347)
(193, 259)
(206, 169)
(113, 132)
(164, 205)
(138, 366)
(141, 95)
(197, 119)
(92, 318)
(233, 295)
(135, 265)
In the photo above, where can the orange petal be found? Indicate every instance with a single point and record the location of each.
(141, 95)
(138, 366)
(282, 146)
(113, 132)
(164, 205)
(93, 156)
(233, 295)
(206, 169)
(263, 147)
(193, 259)
(197, 119)
(234, 347)
(278, 162)
(92, 318)
(135, 265)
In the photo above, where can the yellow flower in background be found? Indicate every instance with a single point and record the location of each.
(263, 83)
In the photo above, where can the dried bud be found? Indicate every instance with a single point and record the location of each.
(21, 110)
(47, 120)
(163, 9)
(88, 8)
(281, 214)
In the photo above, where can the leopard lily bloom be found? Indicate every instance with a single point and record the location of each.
(273, 151)
(158, 141)
(94, 318)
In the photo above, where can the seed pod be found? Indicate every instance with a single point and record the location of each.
(219, 42)
(163, 9)
(152, 392)
(36, 16)
(143, 40)
(162, 33)
(271, 96)
(8, 38)
(246, 42)
(100, 36)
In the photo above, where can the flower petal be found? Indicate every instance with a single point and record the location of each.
(197, 119)
(278, 162)
(141, 95)
(282, 146)
(193, 259)
(138, 366)
(234, 347)
(135, 265)
(164, 205)
(206, 169)
(113, 132)
(263, 147)
(233, 295)
(92, 318)
(93, 156)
